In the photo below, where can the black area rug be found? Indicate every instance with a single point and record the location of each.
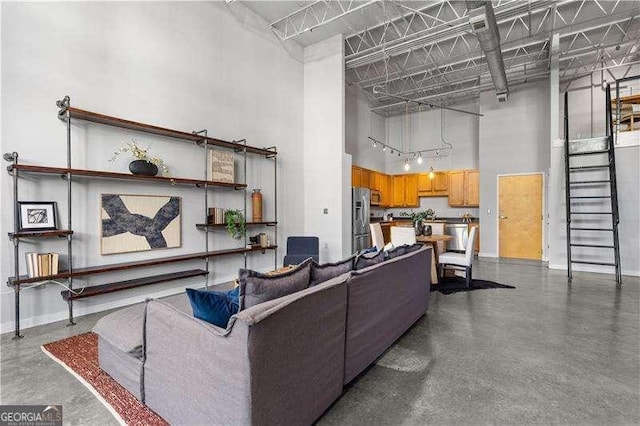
(455, 284)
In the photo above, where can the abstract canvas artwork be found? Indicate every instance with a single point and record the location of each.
(131, 223)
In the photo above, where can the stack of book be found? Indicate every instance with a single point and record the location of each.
(41, 264)
(216, 216)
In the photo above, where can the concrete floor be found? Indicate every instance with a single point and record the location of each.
(544, 353)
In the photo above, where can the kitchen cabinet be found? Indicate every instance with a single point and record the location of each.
(464, 188)
(386, 190)
(405, 191)
(365, 178)
(436, 187)
(456, 188)
(473, 188)
(356, 176)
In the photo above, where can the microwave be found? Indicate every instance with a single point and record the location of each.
(376, 199)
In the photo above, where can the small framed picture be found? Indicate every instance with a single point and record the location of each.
(37, 215)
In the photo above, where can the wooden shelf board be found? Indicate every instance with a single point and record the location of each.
(40, 234)
(633, 99)
(129, 284)
(125, 176)
(101, 269)
(223, 225)
(80, 114)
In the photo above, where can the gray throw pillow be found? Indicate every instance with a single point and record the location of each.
(322, 273)
(256, 288)
(368, 259)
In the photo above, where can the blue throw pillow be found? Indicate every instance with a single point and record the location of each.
(215, 307)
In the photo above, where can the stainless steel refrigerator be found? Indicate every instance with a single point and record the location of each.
(360, 205)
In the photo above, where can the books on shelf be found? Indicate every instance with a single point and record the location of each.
(216, 216)
(42, 264)
(221, 166)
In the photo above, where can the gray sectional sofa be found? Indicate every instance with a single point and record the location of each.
(283, 361)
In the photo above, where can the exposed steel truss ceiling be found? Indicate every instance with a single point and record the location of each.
(425, 49)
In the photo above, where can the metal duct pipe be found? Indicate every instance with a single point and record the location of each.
(484, 26)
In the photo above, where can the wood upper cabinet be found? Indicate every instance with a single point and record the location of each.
(411, 191)
(386, 190)
(436, 187)
(365, 178)
(356, 176)
(405, 191)
(456, 188)
(473, 188)
(424, 185)
(440, 183)
(397, 183)
(464, 188)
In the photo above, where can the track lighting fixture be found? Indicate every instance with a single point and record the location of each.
(419, 160)
(384, 148)
(374, 144)
(431, 174)
(406, 164)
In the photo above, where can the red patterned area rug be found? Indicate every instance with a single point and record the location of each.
(79, 355)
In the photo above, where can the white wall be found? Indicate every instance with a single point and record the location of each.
(325, 183)
(587, 119)
(514, 138)
(360, 123)
(186, 66)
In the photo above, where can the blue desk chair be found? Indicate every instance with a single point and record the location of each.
(300, 249)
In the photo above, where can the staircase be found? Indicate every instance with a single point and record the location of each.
(591, 198)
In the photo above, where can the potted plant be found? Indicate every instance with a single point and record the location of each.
(143, 164)
(235, 222)
(418, 217)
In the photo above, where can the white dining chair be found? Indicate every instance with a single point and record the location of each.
(459, 260)
(437, 228)
(401, 235)
(377, 238)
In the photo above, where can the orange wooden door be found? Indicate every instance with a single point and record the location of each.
(520, 216)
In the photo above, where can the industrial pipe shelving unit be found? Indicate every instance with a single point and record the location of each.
(67, 113)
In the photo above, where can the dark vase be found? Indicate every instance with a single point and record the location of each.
(143, 167)
(427, 231)
(418, 227)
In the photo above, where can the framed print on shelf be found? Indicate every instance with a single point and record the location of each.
(37, 216)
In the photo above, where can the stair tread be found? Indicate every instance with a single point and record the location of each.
(588, 153)
(591, 212)
(591, 229)
(590, 196)
(588, 262)
(588, 181)
(584, 168)
(592, 245)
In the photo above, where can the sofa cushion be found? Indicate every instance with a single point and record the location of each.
(369, 259)
(404, 249)
(326, 271)
(123, 328)
(256, 287)
(215, 307)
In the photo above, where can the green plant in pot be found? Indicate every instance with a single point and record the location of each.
(235, 222)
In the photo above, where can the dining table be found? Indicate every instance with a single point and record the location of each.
(433, 241)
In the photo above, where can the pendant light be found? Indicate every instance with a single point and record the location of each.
(406, 164)
(419, 160)
(431, 174)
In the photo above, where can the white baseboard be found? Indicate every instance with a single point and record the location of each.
(80, 311)
(484, 254)
(598, 269)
